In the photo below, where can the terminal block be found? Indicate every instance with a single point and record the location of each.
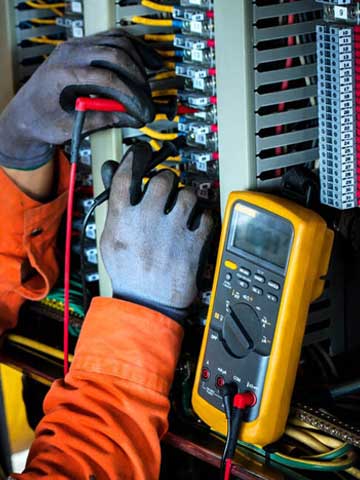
(337, 122)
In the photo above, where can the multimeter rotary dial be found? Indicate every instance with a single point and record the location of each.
(241, 330)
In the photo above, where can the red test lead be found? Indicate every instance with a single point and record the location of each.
(82, 105)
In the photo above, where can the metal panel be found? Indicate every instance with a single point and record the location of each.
(104, 145)
(235, 80)
(7, 43)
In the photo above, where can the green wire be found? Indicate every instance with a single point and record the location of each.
(303, 464)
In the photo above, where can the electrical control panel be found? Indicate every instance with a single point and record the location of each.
(337, 52)
(271, 264)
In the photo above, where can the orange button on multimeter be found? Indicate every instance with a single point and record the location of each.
(272, 259)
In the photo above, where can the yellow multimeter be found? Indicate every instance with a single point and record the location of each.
(272, 259)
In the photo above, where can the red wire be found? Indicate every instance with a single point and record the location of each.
(67, 265)
(285, 83)
(228, 465)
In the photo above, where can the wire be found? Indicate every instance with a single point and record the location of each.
(57, 12)
(158, 135)
(97, 201)
(159, 37)
(164, 75)
(155, 145)
(157, 6)
(152, 22)
(167, 53)
(45, 6)
(170, 65)
(76, 138)
(43, 21)
(161, 116)
(164, 93)
(45, 40)
(67, 264)
(41, 347)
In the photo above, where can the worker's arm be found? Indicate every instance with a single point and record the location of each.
(32, 184)
(28, 253)
(106, 419)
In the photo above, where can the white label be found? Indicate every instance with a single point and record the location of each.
(197, 55)
(340, 12)
(195, 2)
(77, 32)
(201, 166)
(201, 139)
(76, 7)
(196, 27)
(199, 83)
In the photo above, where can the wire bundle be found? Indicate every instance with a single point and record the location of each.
(309, 449)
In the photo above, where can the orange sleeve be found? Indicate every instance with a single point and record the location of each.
(106, 419)
(28, 263)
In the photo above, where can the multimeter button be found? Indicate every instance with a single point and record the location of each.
(259, 278)
(228, 277)
(257, 290)
(220, 382)
(205, 373)
(230, 264)
(244, 271)
(274, 285)
(272, 298)
(243, 284)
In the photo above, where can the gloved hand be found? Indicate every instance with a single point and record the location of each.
(153, 241)
(111, 64)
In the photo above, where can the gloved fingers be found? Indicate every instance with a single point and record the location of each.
(126, 187)
(108, 170)
(160, 192)
(150, 58)
(105, 83)
(97, 121)
(205, 226)
(123, 61)
(184, 206)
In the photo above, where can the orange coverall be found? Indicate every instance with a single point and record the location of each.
(106, 419)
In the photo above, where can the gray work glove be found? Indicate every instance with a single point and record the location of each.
(153, 240)
(110, 64)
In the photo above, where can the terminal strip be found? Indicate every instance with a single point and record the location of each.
(337, 122)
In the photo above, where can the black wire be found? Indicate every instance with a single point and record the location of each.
(97, 201)
(76, 135)
(228, 392)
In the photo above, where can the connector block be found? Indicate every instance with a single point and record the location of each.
(337, 123)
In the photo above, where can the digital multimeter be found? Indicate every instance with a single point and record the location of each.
(272, 259)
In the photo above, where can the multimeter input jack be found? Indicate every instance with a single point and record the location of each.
(235, 405)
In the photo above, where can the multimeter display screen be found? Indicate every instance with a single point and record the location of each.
(260, 234)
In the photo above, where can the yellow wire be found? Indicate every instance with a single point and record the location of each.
(41, 347)
(162, 166)
(164, 75)
(43, 21)
(162, 116)
(57, 12)
(155, 145)
(158, 135)
(331, 463)
(152, 22)
(164, 93)
(45, 40)
(159, 37)
(45, 6)
(174, 159)
(306, 439)
(156, 6)
(170, 65)
(166, 53)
